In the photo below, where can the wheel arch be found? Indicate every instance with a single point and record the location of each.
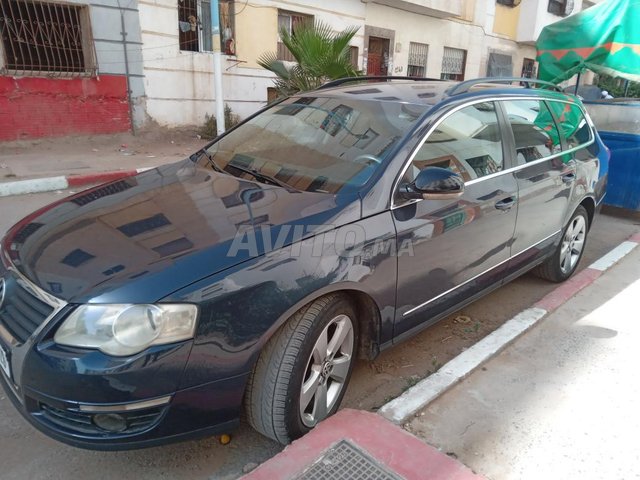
(589, 205)
(368, 314)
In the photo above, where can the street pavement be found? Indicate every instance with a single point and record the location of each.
(560, 402)
(86, 155)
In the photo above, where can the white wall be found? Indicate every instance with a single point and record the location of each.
(534, 17)
(439, 33)
(179, 84)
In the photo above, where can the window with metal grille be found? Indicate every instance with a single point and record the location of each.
(195, 30)
(560, 7)
(45, 38)
(499, 65)
(453, 64)
(289, 21)
(417, 65)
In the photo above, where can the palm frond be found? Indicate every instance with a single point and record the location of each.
(320, 53)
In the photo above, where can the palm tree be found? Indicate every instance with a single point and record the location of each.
(320, 55)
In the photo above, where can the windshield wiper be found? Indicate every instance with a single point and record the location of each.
(261, 176)
(251, 171)
(211, 161)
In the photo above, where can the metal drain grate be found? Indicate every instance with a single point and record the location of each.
(344, 461)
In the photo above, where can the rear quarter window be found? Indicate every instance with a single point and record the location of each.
(534, 130)
(572, 123)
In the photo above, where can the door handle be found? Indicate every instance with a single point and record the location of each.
(568, 177)
(506, 204)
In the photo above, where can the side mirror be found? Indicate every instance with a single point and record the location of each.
(434, 183)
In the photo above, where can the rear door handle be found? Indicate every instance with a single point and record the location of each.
(568, 177)
(506, 204)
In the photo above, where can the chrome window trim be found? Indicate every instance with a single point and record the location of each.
(586, 117)
(476, 276)
(448, 113)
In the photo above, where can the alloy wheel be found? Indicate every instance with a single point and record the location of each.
(573, 244)
(327, 370)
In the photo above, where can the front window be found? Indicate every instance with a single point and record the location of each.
(195, 28)
(467, 142)
(329, 145)
(289, 21)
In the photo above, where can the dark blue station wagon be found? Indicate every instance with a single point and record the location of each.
(251, 275)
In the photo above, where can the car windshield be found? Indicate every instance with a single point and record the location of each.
(316, 144)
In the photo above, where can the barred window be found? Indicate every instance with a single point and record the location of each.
(453, 64)
(46, 38)
(417, 65)
(195, 28)
(499, 65)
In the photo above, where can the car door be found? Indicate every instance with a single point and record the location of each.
(449, 250)
(545, 178)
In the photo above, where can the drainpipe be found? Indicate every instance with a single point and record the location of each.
(217, 66)
(126, 69)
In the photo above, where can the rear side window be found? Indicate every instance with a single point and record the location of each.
(534, 129)
(572, 123)
(467, 142)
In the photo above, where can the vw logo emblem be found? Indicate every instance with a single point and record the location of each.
(2, 291)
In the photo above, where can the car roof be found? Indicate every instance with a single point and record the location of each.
(427, 92)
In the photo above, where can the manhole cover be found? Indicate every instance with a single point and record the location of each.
(344, 461)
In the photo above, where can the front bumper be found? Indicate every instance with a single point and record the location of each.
(192, 413)
(60, 389)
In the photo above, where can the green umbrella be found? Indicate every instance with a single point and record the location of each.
(604, 38)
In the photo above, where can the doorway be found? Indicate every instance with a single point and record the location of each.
(378, 56)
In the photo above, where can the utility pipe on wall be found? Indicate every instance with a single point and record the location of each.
(217, 66)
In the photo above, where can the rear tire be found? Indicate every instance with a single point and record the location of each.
(303, 370)
(564, 261)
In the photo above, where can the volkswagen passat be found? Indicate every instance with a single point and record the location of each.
(252, 275)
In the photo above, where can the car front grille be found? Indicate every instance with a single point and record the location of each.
(21, 312)
(82, 422)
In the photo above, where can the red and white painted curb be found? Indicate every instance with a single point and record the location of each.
(391, 447)
(62, 182)
(427, 390)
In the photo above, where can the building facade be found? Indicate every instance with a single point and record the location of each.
(166, 76)
(63, 68)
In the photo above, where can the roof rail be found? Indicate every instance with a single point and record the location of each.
(340, 81)
(464, 87)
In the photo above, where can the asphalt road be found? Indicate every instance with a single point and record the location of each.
(25, 453)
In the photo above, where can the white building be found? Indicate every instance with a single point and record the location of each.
(454, 39)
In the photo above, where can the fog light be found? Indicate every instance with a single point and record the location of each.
(111, 422)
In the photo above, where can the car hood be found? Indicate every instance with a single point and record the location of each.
(141, 238)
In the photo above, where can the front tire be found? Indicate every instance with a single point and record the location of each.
(563, 263)
(303, 370)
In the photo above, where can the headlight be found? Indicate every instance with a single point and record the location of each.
(120, 330)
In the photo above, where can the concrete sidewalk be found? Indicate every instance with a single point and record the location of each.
(560, 402)
(53, 164)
